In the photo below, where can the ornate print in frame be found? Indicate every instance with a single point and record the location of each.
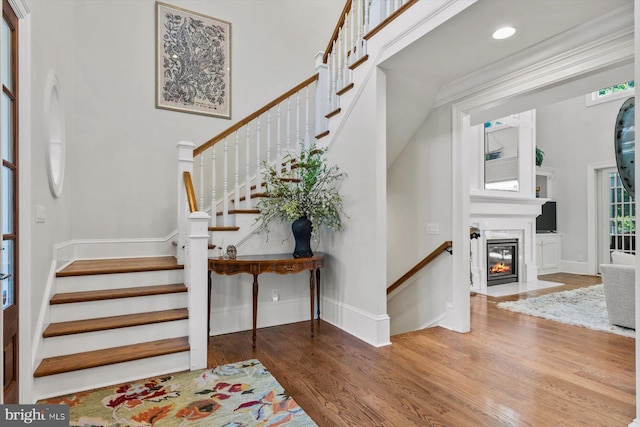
(193, 62)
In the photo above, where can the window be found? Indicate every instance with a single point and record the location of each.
(611, 93)
(622, 217)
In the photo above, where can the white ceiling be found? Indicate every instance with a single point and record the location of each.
(464, 45)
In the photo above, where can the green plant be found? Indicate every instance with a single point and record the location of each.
(539, 156)
(305, 187)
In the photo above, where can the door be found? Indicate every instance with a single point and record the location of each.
(616, 217)
(9, 201)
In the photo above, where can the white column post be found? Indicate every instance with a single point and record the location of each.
(196, 278)
(321, 94)
(185, 164)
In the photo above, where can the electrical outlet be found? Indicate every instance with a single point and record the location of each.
(274, 295)
(433, 228)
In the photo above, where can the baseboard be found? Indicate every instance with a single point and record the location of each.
(635, 423)
(574, 267)
(43, 318)
(433, 323)
(113, 248)
(240, 318)
(372, 329)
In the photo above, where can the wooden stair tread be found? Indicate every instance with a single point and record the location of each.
(253, 196)
(104, 294)
(359, 62)
(333, 113)
(322, 135)
(109, 356)
(231, 228)
(345, 89)
(240, 211)
(114, 322)
(119, 265)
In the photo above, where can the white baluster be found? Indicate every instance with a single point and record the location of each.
(247, 170)
(258, 165)
(278, 137)
(365, 26)
(333, 78)
(269, 137)
(236, 190)
(298, 141)
(201, 189)
(340, 83)
(213, 182)
(225, 184)
(352, 45)
(388, 8)
(288, 145)
(307, 136)
(329, 85)
(361, 29)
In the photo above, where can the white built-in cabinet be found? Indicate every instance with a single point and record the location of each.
(548, 251)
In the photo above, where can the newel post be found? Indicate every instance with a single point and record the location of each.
(185, 164)
(321, 94)
(196, 278)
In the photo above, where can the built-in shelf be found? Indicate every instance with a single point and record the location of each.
(544, 179)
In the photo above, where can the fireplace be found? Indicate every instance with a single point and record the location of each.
(502, 261)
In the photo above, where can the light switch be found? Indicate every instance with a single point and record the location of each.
(433, 228)
(41, 214)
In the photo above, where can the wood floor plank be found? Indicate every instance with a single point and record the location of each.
(510, 370)
(104, 294)
(109, 356)
(119, 265)
(114, 322)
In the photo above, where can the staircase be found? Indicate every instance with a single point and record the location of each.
(112, 321)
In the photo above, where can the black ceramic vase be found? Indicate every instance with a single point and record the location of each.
(302, 228)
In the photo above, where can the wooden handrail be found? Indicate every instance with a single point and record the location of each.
(191, 195)
(334, 36)
(389, 19)
(419, 266)
(254, 115)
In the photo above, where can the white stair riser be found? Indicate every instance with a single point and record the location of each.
(89, 341)
(116, 307)
(86, 379)
(117, 281)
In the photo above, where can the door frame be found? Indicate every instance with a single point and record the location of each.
(26, 361)
(594, 170)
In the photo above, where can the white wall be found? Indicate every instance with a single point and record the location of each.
(573, 136)
(124, 160)
(52, 51)
(419, 193)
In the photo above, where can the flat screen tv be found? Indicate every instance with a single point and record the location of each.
(546, 222)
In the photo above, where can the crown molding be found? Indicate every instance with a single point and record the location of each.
(590, 47)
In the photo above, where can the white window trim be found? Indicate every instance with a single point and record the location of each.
(593, 98)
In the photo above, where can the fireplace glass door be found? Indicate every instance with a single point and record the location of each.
(502, 261)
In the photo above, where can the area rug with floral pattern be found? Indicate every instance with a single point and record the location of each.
(232, 395)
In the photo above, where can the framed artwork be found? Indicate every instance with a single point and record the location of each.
(193, 62)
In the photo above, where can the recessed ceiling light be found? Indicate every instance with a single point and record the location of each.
(504, 33)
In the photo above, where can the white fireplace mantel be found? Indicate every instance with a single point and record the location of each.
(500, 216)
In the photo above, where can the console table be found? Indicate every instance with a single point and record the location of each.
(270, 263)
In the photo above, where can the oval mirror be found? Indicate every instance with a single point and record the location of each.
(625, 145)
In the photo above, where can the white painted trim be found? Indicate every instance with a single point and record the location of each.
(239, 318)
(636, 16)
(43, 316)
(597, 44)
(575, 267)
(435, 322)
(635, 423)
(114, 248)
(22, 10)
(374, 330)
(592, 214)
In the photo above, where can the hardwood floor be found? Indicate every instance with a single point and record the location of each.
(510, 370)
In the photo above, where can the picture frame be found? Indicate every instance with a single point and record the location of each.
(193, 62)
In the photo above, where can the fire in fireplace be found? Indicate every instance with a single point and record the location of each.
(502, 261)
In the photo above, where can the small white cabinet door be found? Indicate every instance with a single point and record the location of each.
(548, 252)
